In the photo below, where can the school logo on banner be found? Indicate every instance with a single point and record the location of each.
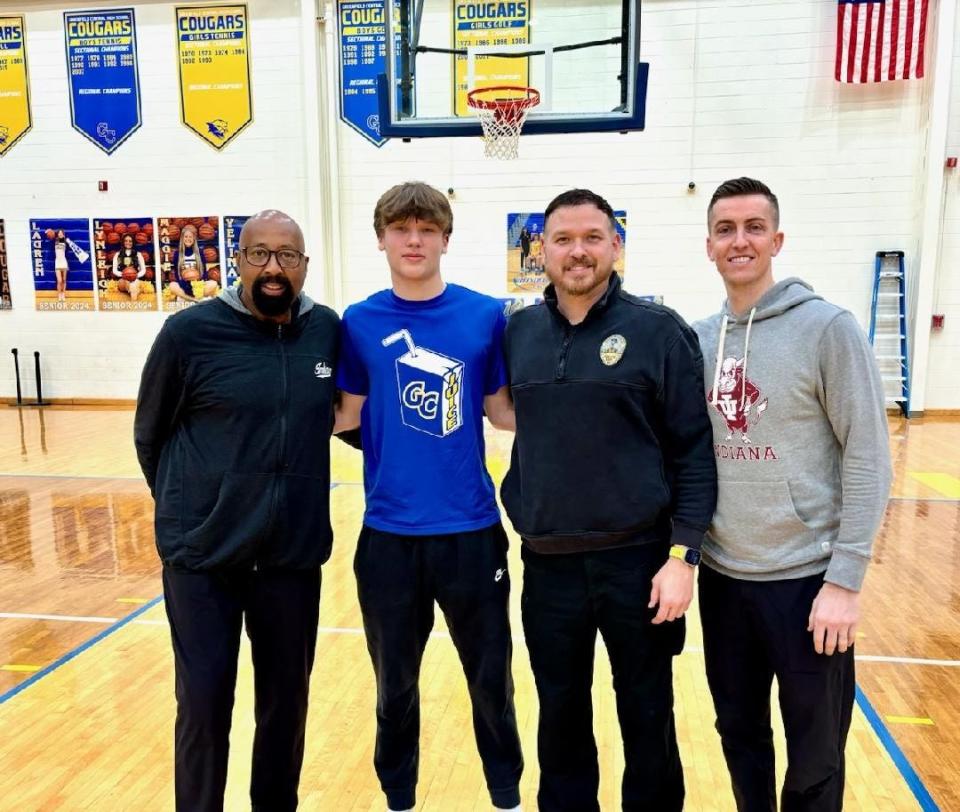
(15, 118)
(125, 264)
(60, 255)
(6, 303)
(104, 79)
(213, 54)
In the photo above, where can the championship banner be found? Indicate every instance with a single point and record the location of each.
(525, 255)
(6, 302)
(484, 23)
(213, 55)
(231, 249)
(104, 78)
(60, 253)
(363, 56)
(125, 264)
(15, 118)
(189, 260)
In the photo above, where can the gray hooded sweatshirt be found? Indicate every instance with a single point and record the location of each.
(800, 437)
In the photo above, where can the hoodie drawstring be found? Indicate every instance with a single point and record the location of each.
(746, 347)
(719, 363)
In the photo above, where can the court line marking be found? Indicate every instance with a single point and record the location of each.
(16, 689)
(914, 782)
(910, 720)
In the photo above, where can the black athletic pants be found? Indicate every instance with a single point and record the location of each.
(567, 598)
(206, 611)
(753, 631)
(398, 580)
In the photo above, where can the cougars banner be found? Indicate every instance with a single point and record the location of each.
(15, 120)
(102, 67)
(214, 71)
(60, 253)
(125, 264)
(189, 260)
(6, 303)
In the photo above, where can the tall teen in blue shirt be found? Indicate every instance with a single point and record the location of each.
(420, 364)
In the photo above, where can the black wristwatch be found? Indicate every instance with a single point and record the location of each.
(686, 554)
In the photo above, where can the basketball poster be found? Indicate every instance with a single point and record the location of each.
(15, 117)
(6, 302)
(189, 255)
(232, 225)
(490, 24)
(525, 254)
(102, 70)
(60, 254)
(213, 56)
(124, 263)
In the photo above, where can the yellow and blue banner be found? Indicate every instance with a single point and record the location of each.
(363, 56)
(214, 58)
(103, 75)
(125, 263)
(15, 117)
(491, 24)
(60, 255)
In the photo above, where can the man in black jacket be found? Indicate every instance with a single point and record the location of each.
(232, 431)
(611, 487)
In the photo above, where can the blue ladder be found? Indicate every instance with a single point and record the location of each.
(888, 327)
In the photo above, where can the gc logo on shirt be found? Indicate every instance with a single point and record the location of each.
(430, 386)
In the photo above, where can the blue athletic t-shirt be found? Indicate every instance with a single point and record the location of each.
(425, 367)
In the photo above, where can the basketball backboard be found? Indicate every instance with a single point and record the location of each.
(581, 56)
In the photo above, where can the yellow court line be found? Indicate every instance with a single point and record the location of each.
(26, 669)
(133, 600)
(909, 720)
(945, 484)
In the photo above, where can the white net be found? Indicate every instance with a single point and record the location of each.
(502, 120)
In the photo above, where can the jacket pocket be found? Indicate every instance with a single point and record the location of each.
(229, 533)
(756, 526)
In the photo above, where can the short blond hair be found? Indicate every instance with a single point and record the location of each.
(413, 199)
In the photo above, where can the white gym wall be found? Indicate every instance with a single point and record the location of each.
(736, 87)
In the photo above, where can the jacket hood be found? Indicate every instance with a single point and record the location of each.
(778, 300)
(231, 296)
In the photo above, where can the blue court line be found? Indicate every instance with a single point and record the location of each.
(927, 804)
(16, 689)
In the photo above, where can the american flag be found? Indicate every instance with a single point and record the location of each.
(880, 40)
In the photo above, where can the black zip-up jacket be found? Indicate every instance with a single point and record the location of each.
(232, 432)
(614, 445)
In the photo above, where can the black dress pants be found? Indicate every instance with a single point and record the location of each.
(753, 631)
(206, 611)
(567, 598)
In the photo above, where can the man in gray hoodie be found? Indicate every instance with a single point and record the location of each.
(800, 437)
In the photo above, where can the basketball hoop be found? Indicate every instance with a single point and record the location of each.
(502, 111)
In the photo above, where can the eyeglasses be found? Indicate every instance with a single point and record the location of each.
(287, 258)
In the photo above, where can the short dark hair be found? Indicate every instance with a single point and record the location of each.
(579, 197)
(413, 199)
(739, 187)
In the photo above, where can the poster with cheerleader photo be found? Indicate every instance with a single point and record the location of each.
(62, 270)
(189, 254)
(124, 263)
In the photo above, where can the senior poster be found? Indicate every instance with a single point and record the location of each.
(189, 253)
(525, 254)
(15, 117)
(213, 55)
(60, 255)
(232, 226)
(125, 264)
(102, 70)
(6, 302)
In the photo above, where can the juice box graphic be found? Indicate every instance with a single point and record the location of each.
(430, 387)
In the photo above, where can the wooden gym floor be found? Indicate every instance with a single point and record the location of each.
(86, 676)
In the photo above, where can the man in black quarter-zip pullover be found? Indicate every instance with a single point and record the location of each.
(232, 431)
(611, 486)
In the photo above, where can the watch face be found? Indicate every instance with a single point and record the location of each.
(692, 557)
